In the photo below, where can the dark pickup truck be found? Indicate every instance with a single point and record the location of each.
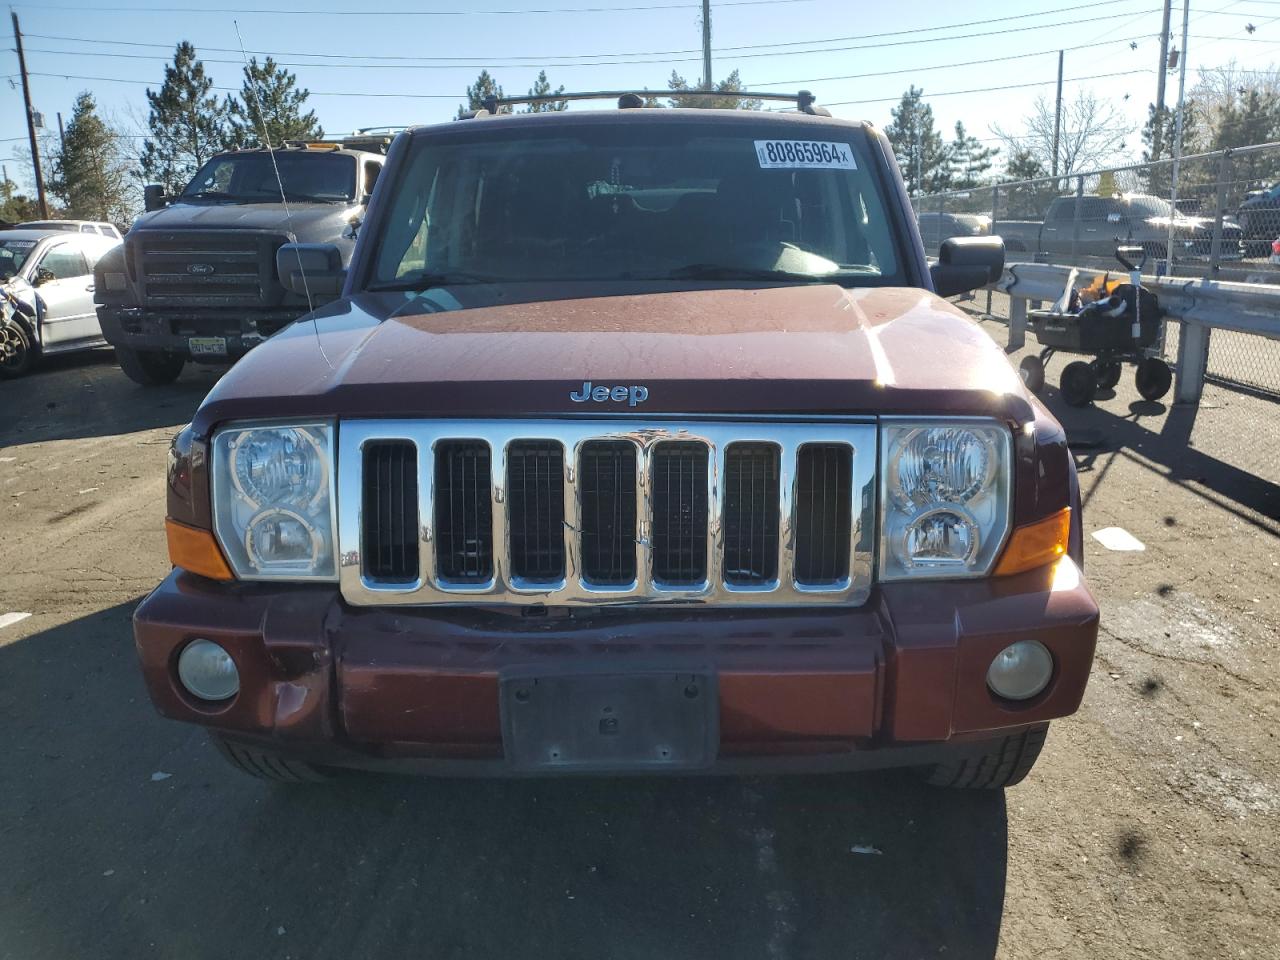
(196, 277)
(639, 441)
(1097, 226)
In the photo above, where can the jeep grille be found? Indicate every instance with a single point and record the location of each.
(583, 512)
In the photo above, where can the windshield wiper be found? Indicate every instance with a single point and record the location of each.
(208, 195)
(718, 271)
(425, 281)
(309, 198)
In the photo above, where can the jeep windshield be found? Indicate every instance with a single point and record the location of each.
(308, 176)
(637, 201)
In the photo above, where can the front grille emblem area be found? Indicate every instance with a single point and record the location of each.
(633, 395)
(200, 269)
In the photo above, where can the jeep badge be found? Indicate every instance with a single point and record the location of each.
(634, 394)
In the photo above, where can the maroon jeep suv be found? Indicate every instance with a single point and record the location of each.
(638, 441)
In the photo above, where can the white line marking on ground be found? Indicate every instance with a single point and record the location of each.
(9, 619)
(1118, 538)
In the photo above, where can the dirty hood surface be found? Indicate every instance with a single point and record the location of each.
(302, 219)
(513, 352)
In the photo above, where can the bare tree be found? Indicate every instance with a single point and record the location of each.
(1093, 134)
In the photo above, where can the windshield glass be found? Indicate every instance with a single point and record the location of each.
(13, 254)
(1150, 206)
(638, 201)
(248, 177)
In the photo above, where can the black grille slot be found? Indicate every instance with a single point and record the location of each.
(679, 496)
(823, 513)
(464, 512)
(751, 513)
(201, 269)
(535, 510)
(389, 534)
(607, 507)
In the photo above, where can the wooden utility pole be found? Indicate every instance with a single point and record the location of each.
(1158, 129)
(31, 121)
(1057, 118)
(706, 45)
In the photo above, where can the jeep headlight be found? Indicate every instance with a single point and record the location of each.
(273, 500)
(945, 498)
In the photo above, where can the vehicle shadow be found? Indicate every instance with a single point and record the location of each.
(125, 833)
(86, 395)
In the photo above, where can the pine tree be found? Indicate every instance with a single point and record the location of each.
(1027, 201)
(925, 160)
(969, 159)
(91, 170)
(729, 85)
(188, 122)
(541, 88)
(269, 109)
(485, 86)
(1253, 118)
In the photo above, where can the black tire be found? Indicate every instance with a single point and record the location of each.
(17, 351)
(151, 368)
(1078, 384)
(1004, 763)
(1107, 373)
(267, 764)
(1153, 378)
(1032, 371)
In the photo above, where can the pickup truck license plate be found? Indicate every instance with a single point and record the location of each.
(610, 722)
(207, 346)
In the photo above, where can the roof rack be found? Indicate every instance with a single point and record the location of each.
(629, 99)
(371, 139)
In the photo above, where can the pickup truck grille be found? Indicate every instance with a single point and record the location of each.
(592, 512)
(206, 268)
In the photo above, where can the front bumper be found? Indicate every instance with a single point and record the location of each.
(900, 681)
(139, 328)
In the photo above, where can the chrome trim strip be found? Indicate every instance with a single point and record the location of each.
(717, 434)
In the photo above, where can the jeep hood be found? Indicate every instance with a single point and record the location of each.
(511, 351)
(303, 220)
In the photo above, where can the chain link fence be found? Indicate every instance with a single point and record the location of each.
(1220, 224)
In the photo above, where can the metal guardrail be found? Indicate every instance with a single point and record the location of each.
(1199, 305)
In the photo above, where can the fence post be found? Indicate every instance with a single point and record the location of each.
(1075, 225)
(1193, 361)
(995, 214)
(1224, 177)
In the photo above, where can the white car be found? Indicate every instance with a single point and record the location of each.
(46, 294)
(90, 227)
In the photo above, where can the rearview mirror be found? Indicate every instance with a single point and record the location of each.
(153, 197)
(312, 270)
(967, 263)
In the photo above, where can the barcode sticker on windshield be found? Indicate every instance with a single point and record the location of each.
(804, 155)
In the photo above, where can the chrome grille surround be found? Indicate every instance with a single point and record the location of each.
(503, 588)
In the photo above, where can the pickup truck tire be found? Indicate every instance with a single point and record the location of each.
(17, 349)
(266, 764)
(151, 368)
(1004, 763)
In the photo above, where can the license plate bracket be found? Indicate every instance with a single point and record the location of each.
(207, 346)
(591, 722)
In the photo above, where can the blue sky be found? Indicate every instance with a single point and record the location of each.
(845, 50)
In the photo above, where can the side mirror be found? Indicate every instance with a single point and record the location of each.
(967, 263)
(311, 269)
(43, 276)
(153, 197)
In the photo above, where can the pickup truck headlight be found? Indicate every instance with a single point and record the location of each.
(273, 500)
(944, 496)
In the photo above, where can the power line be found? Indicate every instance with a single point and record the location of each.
(404, 13)
(494, 61)
(1011, 86)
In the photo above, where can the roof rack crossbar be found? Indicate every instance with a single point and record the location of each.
(804, 100)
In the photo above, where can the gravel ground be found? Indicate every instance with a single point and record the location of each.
(1150, 827)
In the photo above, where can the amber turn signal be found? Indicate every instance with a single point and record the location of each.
(195, 550)
(1036, 544)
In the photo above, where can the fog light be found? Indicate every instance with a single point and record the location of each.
(1020, 670)
(208, 671)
